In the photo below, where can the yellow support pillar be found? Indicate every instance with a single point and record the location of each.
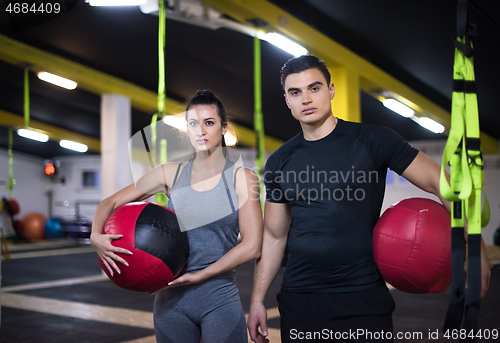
(346, 104)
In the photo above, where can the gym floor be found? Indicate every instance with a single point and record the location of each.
(54, 291)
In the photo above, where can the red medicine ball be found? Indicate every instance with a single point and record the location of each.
(412, 246)
(159, 248)
(12, 207)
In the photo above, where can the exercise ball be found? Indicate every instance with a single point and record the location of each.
(160, 250)
(412, 246)
(54, 227)
(34, 224)
(19, 226)
(13, 207)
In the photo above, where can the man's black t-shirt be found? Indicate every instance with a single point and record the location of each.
(335, 188)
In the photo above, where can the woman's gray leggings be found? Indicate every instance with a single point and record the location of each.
(211, 311)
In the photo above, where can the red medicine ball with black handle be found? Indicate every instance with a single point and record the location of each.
(159, 249)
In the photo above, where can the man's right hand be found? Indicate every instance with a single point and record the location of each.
(257, 318)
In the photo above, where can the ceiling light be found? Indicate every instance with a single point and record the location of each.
(37, 136)
(116, 2)
(283, 43)
(430, 124)
(73, 145)
(57, 80)
(230, 139)
(178, 123)
(398, 107)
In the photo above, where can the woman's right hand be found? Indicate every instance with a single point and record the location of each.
(107, 252)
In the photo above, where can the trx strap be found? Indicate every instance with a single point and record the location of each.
(258, 119)
(161, 58)
(150, 156)
(463, 153)
(26, 99)
(11, 183)
(161, 199)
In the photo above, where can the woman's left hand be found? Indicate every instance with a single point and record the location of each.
(184, 280)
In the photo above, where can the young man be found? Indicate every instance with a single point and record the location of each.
(325, 189)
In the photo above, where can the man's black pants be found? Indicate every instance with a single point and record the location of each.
(362, 316)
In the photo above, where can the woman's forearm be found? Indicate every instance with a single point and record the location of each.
(242, 253)
(104, 209)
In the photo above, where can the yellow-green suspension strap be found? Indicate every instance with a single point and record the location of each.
(26, 98)
(161, 58)
(473, 203)
(11, 183)
(455, 153)
(258, 119)
(160, 198)
(463, 152)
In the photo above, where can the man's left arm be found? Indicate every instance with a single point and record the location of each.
(425, 173)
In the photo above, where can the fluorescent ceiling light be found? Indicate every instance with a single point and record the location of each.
(150, 6)
(197, 13)
(430, 125)
(57, 80)
(398, 107)
(230, 139)
(116, 2)
(177, 122)
(73, 145)
(37, 136)
(283, 43)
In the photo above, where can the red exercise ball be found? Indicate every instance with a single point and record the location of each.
(18, 226)
(412, 246)
(13, 207)
(34, 226)
(159, 248)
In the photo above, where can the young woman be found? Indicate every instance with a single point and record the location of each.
(214, 201)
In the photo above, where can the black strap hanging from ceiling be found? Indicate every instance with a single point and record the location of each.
(465, 29)
(465, 116)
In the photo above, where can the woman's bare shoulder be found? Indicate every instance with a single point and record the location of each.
(171, 169)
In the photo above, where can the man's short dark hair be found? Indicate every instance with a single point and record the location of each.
(299, 64)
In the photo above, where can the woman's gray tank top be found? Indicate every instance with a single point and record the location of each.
(210, 218)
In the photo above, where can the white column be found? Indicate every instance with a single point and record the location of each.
(116, 123)
(0, 287)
